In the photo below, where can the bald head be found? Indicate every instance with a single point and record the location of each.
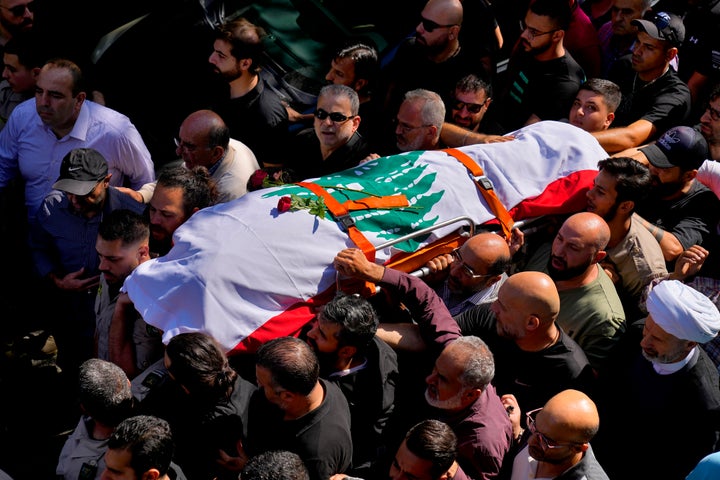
(444, 12)
(574, 413)
(533, 293)
(590, 227)
(488, 257)
(203, 139)
(487, 248)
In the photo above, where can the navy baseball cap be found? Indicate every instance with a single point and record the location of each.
(682, 147)
(663, 26)
(81, 170)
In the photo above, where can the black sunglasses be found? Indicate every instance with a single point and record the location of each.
(19, 10)
(471, 107)
(429, 25)
(336, 117)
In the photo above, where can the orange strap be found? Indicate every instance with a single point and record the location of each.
(342, 215)
(368, 203)
(486, 189)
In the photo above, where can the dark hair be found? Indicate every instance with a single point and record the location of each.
(342, 91)
(198, 362)
(219, 135)
(245, 39)
(610, 91)
(558, 10)
(292, 364)
(199, 190)
(471, 83)
(78, 82)
(124, 225)
(104, 391)
(275, 465)
(433, 441)
(715, 92)
(366, 62)
(27, 47)
(149, 441)
(633, 180)
(356, 317)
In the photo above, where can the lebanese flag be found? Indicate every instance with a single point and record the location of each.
(245, 273)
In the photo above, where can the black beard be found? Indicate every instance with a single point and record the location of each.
(664, 190)
(567, 273)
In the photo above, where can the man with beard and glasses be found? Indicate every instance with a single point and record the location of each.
(253, 111)
(542, 77)
(557, 441)
(472, 273)
(667, 389)
(634, 257)
(591, 312)
(419, 121)
(679, 211)
(363, 366)
(62, 242)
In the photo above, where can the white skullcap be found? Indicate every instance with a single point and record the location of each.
(683, 312)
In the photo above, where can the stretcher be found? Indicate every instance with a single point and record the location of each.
(255, 268)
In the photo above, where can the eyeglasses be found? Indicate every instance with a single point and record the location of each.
(471, 107)
(184, 145)
(714, 114)
(662, 22)
(429, 25)
(533, 33)
(404, 127)
(19, 10)
(335, 117)
(467, 269)
(545, 442)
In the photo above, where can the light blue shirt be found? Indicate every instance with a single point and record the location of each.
(30, 148)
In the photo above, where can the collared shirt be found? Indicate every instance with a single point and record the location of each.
(63, 241)
(30, 148)
(457, 306)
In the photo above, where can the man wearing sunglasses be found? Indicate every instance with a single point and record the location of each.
(556, 443)
(333, 143)
(469, 104)
(15, 16)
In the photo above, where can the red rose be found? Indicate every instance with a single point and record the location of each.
(284, 204)
(256, 180)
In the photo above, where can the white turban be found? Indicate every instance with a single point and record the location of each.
(683, 312)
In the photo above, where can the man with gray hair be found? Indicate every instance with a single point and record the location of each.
(105, 400)
(460, 388)
(419, 121)
(333, 143)
(666, 389)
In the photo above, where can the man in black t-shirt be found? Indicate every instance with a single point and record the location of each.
(543, 78)
(654, 98)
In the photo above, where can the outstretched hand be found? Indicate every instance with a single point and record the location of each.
(352, 262)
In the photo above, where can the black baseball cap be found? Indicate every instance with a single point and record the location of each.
(682, 147)
(81, 170)
(663, 26)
